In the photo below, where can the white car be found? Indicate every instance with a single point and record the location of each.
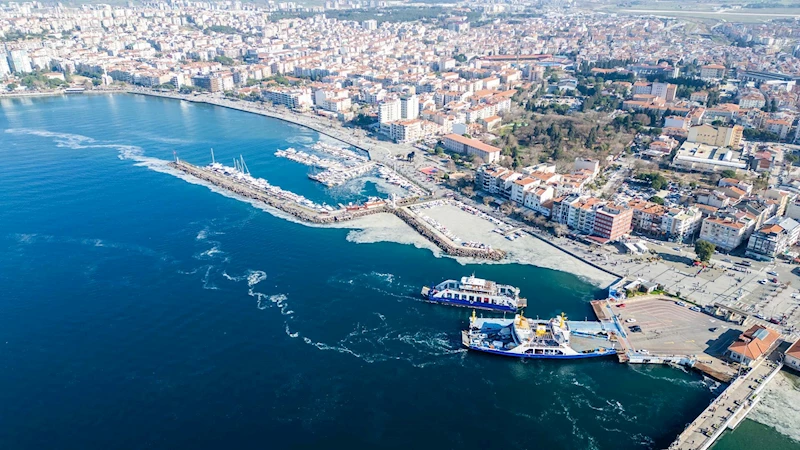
(631, 320)
(773, 273)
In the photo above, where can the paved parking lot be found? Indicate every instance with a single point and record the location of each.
(670, 329)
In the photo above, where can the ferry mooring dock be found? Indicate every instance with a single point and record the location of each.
(677, 335)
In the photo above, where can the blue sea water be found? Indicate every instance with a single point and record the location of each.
(143, 311)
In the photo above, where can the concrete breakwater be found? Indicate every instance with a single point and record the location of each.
(285, 205)
(312, 216)
(449, 247)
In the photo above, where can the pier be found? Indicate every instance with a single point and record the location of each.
(727, 410)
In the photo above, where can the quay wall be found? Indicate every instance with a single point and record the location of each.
(575, 255)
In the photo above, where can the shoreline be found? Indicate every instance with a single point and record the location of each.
(37, 94)
(226, 103)
(287, 118)
(373, 153)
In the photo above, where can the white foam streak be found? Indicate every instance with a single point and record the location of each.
(779, 407)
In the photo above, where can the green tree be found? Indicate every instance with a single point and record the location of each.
(728, 173)
(657, 200)
(12, 86)
(224, 60)
(704, 250)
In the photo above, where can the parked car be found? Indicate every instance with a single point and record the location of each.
(695, 308)
(773, 273)
(680, 303)
(635, 329)
(712, 329)
(631, 320)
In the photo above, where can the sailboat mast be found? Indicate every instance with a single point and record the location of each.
(212, 156)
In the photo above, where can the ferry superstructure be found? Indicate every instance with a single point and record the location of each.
(546, 339)
(477, 293)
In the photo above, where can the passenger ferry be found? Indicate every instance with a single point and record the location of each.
(477, 293)
(547, 339)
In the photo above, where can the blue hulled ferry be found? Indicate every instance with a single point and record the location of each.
(475, 293)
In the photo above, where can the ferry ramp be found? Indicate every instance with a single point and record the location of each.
(592, 328)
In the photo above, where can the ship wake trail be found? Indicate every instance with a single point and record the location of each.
(380, 343)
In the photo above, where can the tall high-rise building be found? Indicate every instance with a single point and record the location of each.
(409, 107)
(389, 111)
(19, 61)
(370, 25)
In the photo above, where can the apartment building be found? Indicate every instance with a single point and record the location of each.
(294, 98)
(726, 233)
(775, 236)
(712, 72)
(680, 225)
(463, 145)
(208, 82)
(19, 62)
(612, 221)
(389, 111)
(409, 107)
(406, 130)
(716, 136)
(539, 199)
(647, 216)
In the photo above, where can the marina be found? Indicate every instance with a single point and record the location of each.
(237, 180)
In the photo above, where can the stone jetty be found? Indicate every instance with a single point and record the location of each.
(306, 214)
(449, 247)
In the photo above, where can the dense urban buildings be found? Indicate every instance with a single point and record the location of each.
(696, 103)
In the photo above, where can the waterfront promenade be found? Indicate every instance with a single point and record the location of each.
(377, 150)
(727, 410)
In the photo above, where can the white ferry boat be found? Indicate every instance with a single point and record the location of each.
(547, 339)
(477, 293)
